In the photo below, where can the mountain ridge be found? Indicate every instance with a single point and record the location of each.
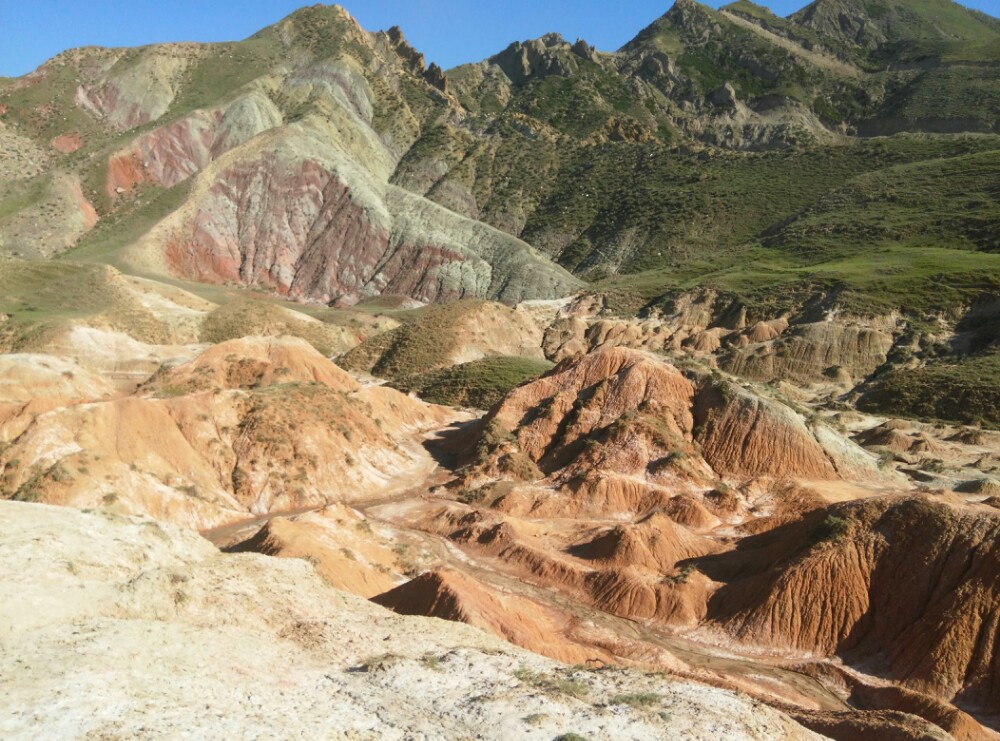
(730, 150)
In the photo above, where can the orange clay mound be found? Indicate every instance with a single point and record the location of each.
(338, 542)
(989, 488)
(626, 412)
(691, 513)
(676, 599)
(960, 725)
(969, 436)
(632, 571)
(599, 495)
(526, 558)
(895, 435)
(779, 504)
(450, 595)
(907, 586)
(250, 362)
(655, 543)
(204, 459)
(596, 495)
(746, 435)
(707, 342)
(766, 331)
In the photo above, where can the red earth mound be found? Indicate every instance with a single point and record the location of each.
(450, 595)
(67, 143)
(627, 412)
(905, 585)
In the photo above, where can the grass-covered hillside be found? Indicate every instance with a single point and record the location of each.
(963, 389)
(847, 154)
(642, 172)
(478, 384)
(730, 147)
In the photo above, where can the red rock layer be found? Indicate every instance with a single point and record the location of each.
(298, 229)
(165, 156)
(746, 435)
(623, 411)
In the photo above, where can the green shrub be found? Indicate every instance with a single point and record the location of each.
(832, 528)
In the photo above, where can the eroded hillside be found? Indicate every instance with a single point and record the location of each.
(676, 365)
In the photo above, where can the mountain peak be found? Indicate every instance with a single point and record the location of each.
(326, 12)
(685, 19)
(683, 10)
(550, 54)
(747, 7)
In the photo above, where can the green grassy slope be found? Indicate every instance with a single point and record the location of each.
(419, 345)
(962, 389)
(904, 29)
(479, 384)
(923, 237)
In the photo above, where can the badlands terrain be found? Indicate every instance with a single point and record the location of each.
(568, 394)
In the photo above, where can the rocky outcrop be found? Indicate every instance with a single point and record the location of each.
(415, 61)
(435, 76)
(572, 335)
(843, 20)
(549, 55)
(812, 353)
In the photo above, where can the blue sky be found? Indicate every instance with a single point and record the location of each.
(449, 32)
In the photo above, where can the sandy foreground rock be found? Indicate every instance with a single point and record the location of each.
(115, 627)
